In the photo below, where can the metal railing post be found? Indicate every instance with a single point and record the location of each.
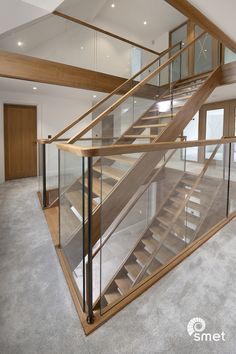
(44, 177)
(228, 186)
(90, 317)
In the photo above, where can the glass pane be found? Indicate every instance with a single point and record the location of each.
(178, 35)
(72, 215)
(191, 133)
(203, 56)
(229, 56)
(128, 241)
(214, 130)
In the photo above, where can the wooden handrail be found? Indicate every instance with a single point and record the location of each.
(128, 149)
(108, 33)
(133, 90)
(98, 104)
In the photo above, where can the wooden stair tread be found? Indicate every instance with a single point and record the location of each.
(75, 199)
(150, 126)
(180, 98)
(164, 255)
(153, 266)
(159, 116)
(171, 209)
(112, 297)
(157, 230)
(150, 243)
(140, 136)
(122, 158)
(133, 270)
(124, 284)
(142, 256)
(109, 171)
(163, 220)
(106, 188)
(70, 221)
(174, 243)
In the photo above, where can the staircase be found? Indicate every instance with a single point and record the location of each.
(116, 178)
(176, 225)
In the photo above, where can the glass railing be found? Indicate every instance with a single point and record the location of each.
(66, 41)
(115, 239)
(95, 137)
(146, 110)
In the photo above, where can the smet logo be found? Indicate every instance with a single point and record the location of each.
(196, 327)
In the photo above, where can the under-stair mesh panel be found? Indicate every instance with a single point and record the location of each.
(176, 204)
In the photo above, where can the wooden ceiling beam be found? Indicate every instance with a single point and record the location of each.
(196, 16)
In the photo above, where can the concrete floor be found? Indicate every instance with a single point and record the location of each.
(37, 314)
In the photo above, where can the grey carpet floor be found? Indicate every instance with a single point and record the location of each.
(37, 315)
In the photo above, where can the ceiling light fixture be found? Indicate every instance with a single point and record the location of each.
(82, 48)
(145, 22)
(35, 88)
(20, 44)
(94, 96)
(113, 5)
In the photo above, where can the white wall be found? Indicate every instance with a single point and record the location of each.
(53, 114)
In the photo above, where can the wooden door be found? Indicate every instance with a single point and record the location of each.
(20, 140)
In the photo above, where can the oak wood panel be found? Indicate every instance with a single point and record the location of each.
(196, 16)
(24, 67)
(228, 75)
(20, 140)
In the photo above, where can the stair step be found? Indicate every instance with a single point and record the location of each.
(109, 171)
(106, 188)
(112, 297)
(122, 158)
(159, 116)
(164, 255)
(182, 190)
(189, 218)
(174, 243)
(195, 206)
(153, 266)
(124, 285)
(181, 230)
(177, 200)
(150, 244)
(133, 270)
(69, 221)
(140, 136)
(164, 220)
(157, 230)
(171, 209)
(142, 256)
(75, 199)
(178, 92)
(180, 98)
(150, 126)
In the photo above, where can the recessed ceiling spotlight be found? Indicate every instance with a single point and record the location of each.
(113, 5)
(35, 88)
(145, 22)
(20, 44)
(94, 96)
(205, 50)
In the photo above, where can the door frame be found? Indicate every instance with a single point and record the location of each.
(17, 104)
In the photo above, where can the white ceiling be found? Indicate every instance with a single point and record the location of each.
(127, 17)
(14, 13)
(223, 93)
(221, 13)
(26, 87)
